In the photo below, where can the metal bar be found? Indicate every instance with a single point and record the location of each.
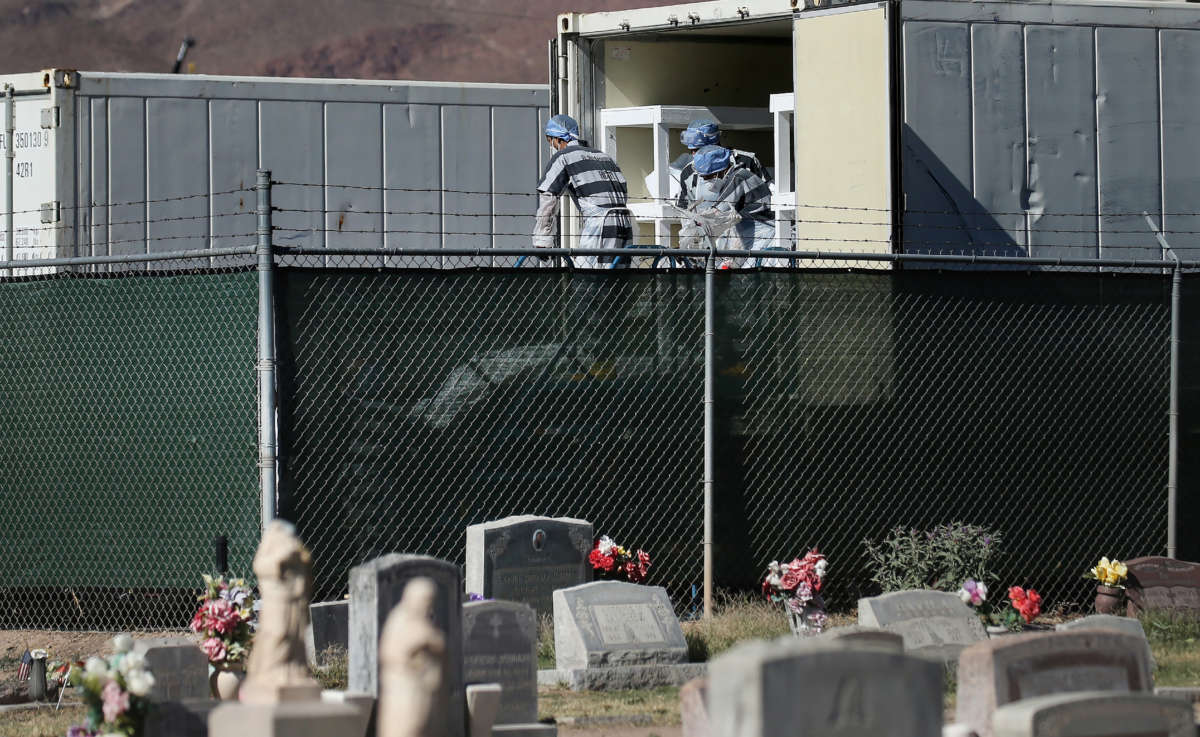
(10, 126)
(709, 380)
(266, 350)
(210, 253)
(1173, 413)
(765, 254)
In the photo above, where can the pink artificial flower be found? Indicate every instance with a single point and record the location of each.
(116, 701)
(804, 592)
(214, 648)
(792, 575)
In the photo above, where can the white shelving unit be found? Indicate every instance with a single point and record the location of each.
(660, 119)
(783, 197)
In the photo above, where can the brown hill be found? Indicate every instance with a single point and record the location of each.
(439, 40)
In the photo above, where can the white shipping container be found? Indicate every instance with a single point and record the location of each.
(111, 164)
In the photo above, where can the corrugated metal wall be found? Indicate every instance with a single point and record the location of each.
(149, 139)
(1046, 130)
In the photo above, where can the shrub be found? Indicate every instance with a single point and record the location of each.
(941, 558)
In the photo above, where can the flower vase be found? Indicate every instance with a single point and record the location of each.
(225, 680)
(1110, 600)
(809, 620)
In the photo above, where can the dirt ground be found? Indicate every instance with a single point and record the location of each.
(619, 731)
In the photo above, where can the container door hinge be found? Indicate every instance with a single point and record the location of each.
(50, 212)
(50, 117)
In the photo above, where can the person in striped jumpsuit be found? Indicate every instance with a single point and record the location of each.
(726, 187)
(594, 182)
(701, 133)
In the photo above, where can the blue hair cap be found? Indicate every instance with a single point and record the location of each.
(700, 133)
(711, 159)
(564, 127)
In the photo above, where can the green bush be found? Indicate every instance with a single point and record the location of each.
(941, 558)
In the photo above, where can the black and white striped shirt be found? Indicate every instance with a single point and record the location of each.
(597, 186)
(689, 179)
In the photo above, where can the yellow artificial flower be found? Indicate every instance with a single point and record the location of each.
(1101, 570)
(1117, 572)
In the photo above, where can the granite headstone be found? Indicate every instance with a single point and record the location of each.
(525, 558)
(500, 646)
(179, 667)
(1162, 583)
(330, 625)
(934, 624)
(375, 588)
(1007, 669)
(1109, 623)
(757, 688)
(612, 623)
(1095, 714)
(693, 708)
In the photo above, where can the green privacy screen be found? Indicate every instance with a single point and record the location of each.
(127, 443)
(415, 403)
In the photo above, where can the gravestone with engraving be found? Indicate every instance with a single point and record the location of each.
(179, 666)
(934, 624)
(860, 638)
(329, 626)
(1162, 583)
(526, 558)
(998, 672)
(375, 588)
(612, 623)
(1109, 623)
(500, 646)
(1095, 714)
(829, 689)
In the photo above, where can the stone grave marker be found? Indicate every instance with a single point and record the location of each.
(1007, 669)
(179, 666)
(329, 622)
(859, 637)
(1109, 623)
(934, 624)
(375, 588)
(1095, 714)
(757, 688)
(1162, 583)
(693, 708)
(500, 646)
(525, 558)
(613, 623)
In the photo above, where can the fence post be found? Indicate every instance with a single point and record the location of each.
(1173, 442)
(709, 373)
(266, 350)
(10, 125)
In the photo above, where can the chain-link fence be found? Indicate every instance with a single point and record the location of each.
(424, 389)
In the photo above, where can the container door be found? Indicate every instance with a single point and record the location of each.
(843, 129)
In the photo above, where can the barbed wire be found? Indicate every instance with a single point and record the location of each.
(130, 203)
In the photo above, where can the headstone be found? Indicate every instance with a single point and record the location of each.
(757, 687)
(179, 666)
(693, 708)
(187, 718)
(610, 623)
(483, 703)
(1162, 583)
(526, 558)
(859, 638)
(1109, 623)
(500, 646)
(375, 588)
(330, 623)
(934, 624)
(998, 672)
(1095, 714)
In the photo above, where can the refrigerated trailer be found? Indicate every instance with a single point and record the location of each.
(117, 164)
(1009, 128)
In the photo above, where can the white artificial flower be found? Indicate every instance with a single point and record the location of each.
(139, 682)
(38, 654)
(606, 544)
(965, 596)
(96, 667)
(981, 587)
(773, 567)
(122, 643)
(820, 568)
(132, 662)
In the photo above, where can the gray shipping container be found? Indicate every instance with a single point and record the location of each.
(1016, 128)
(145, 163)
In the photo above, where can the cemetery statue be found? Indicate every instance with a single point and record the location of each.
(412, 660)
(278, 668)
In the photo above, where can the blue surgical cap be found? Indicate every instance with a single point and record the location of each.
(700, 133)
(711, 159)
(564, 127)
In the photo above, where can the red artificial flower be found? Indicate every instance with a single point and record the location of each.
(793, 576)
(1016, 595)
(600, 561)
(643, 564)
(1031, 607)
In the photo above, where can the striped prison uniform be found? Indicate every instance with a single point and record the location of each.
(597, 186)
(689, 179)
(743, 192)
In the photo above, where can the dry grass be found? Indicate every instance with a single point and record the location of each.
(1175, 641)
(735, 618)
(333, 668)
(659, 706)
(43, 722)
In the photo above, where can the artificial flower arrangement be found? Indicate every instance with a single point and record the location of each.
(1109, 573)
(225, 619)
(1023, 605)
(115, 692)
(797, 586)
(610, 560)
